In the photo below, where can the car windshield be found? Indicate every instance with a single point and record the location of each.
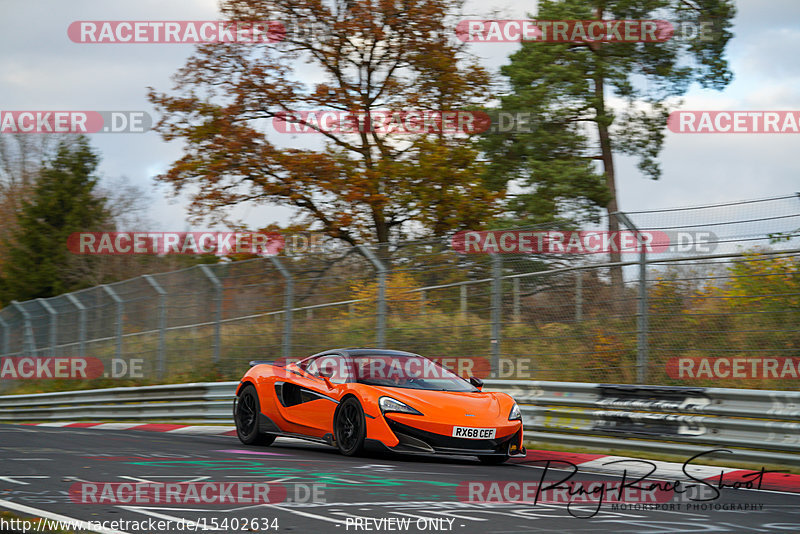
(407, 371)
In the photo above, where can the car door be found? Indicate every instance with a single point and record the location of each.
(305, 398)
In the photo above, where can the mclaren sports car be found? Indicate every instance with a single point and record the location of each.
(357, 399)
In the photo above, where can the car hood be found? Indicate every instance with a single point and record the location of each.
(481, 405)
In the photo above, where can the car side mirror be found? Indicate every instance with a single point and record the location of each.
(326, 375)
(477, 382)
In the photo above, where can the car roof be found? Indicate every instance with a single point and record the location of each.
(363, 351)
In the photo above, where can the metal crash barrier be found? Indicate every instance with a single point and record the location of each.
(753, 425)
(206, 402)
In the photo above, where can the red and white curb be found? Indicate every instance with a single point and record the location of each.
(635, 467)
(588, 463)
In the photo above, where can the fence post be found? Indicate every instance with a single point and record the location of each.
(380, 268)
(496, 311)
(161, 355)
(641, 316)
(53, 325)
(28, 342)
(6, 334)
(643, 312)
(81, 322)
(120, 313)
(218, 312)
(515, 295)
(463, 295)
(288, 306)
(578, 296)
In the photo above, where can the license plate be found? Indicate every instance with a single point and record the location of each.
(473, 433)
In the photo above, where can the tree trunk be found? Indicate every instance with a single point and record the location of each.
(382, 235)
(608, 167)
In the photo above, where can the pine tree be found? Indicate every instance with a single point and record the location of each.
(568, 88)
(64, 201)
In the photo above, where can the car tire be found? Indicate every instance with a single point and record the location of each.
(493, 460)
(349, 427)
(246, 409)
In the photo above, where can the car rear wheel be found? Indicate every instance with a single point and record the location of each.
(349, 427)
(245, 414)
(493, 460)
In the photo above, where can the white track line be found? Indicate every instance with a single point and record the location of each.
(13, 478)
(638, 467)
(304, 514)
(77, 523)
(114, 426)
(210, 430)
(190, 525)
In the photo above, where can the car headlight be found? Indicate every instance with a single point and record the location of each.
(515, 414)
(389, 404)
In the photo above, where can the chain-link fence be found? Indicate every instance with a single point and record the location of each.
(718, 304)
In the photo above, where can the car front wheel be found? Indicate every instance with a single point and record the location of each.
(350, 427)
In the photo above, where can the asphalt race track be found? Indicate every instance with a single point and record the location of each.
(327, 492)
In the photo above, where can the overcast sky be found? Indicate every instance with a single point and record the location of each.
(41, 69)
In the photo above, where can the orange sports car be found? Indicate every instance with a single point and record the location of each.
(375, 398)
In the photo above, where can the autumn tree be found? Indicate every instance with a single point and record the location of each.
(356, 57)
(591, 101)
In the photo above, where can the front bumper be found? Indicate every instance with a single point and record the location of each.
(416, 441)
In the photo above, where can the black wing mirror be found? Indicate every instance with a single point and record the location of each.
(326, 375)
(477, 382)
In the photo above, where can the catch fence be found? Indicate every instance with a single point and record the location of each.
(724, 293)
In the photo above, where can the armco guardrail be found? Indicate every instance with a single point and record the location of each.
(208, 402)
(756, 425)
